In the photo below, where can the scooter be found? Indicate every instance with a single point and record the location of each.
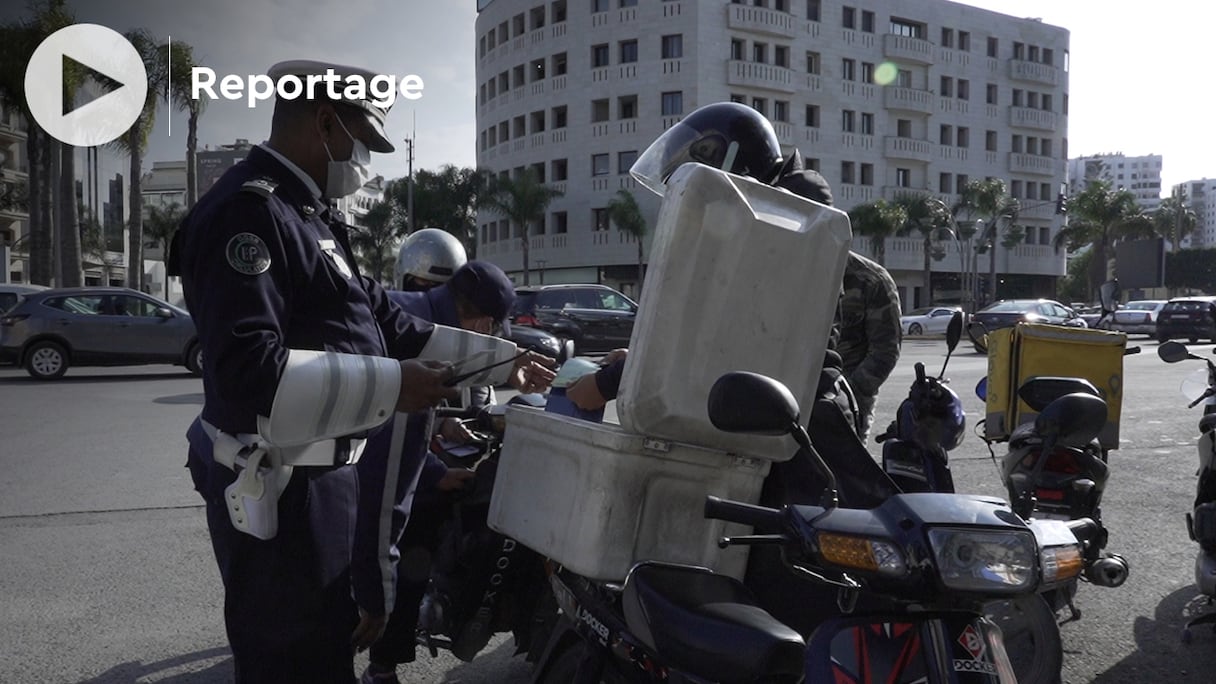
(928, 424)
(1200, 388)
(481, 582)
(910, 576)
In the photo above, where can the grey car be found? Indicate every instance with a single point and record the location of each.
(51, 330)
(11, 293)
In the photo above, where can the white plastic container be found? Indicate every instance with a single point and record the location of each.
(743, 276)
(597, 499)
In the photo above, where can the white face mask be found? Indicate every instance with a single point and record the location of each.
(344, 177)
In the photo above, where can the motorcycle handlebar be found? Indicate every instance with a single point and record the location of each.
(466, 413)
(1086, 530)
(1131, 350)
(745, 514)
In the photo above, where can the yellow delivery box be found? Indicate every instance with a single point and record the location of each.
(1030, 350)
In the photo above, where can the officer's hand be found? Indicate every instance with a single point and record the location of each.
(369, 630)
(532, 373)
(585, 393)
(422, 385)
(455, 478)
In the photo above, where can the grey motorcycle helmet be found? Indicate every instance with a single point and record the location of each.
(429, 255)
(725, 135)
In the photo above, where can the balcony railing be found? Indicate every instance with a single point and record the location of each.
(908, 99)
(1021, 70)
(756, 75)
(760, 20)
(895, 147)
(1024, 117)
(1031, 163)
(907, 48)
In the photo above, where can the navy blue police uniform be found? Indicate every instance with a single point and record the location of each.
(266, 268)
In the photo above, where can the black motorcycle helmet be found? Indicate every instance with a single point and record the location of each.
(725, 135)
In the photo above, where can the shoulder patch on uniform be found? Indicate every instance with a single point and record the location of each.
(248, 254)
(260, 186)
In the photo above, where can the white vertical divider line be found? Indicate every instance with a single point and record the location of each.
(169, 83)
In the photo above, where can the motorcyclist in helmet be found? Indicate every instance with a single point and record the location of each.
(427, 258)
(725, 135)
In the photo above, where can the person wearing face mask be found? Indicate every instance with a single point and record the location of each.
(305, 360)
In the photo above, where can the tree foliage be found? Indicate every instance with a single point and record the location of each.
(446, 199)
(522, 200)
(878, 220)
(376, 240)
(1191, 269)
(1099, 217)
(623, 210)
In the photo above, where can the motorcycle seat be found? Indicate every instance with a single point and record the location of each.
(709, 625)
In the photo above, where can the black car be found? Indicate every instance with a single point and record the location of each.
(1187, 318)
(596, 318)
(541, 342)
(1009, 312)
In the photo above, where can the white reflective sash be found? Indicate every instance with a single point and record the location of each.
(468, 351)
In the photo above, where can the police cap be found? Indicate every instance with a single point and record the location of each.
(302, 68)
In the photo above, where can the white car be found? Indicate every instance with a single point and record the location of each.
(927, 320)
(1138, 317)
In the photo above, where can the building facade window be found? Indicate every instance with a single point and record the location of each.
(812, 116)
(736, 49)
(812, 62)
(848, 69)
(600, 111)
(760, 53)
(848, 120)
(627, 107)
(994, 47)
(599, 6)
(625, 160)
(867, 21)
(990, 141)
(559, 64)
(781, 111)
(557, 117)
(813, 10)
(673, 46)
(781, 56)
(673, 103)
(848, 17)
(560, 222)
(908, 29)
(867, 72)
(599, 55)
(867, 174)
(599, 219)
(629, 51)
(599, 165)
(846, 173)
(903, 178)
(867, 124)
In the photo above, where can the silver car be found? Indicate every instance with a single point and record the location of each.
(1138, 317)
(50, 330)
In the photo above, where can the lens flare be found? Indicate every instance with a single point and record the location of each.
(886, 73)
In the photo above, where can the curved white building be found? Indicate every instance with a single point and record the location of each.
(882, 97)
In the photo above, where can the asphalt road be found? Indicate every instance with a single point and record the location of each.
(106, 573)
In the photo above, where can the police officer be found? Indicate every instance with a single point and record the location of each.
(301, 362)
(428, 258)
(477, 297)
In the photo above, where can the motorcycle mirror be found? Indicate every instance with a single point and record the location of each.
(1173, 352)
(981, 388)
(979, 335)
(751, 403)
(1108, 294)
(954, 333)
(1072, 420)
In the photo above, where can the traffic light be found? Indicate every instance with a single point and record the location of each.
(1061, 204)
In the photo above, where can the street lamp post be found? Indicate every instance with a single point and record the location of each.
(540, 263)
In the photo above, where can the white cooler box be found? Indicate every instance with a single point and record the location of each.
(597, 499)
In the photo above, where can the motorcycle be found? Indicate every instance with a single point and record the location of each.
(928, 424)
(1200, 388)
(1067, 483)
(481, 582)
(911, 576)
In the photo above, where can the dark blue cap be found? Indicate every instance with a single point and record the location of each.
(486, 287)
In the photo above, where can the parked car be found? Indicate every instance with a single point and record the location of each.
(541, 342)
(11, 293)
(1138, 316)
(51, 330)
(1009, 312)
(596, 318)
(1187, 318)
(1092, 315)
(928, 319)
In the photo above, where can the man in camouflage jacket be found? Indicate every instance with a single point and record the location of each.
(870, 331)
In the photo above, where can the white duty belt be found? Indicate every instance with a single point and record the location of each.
(235, 451)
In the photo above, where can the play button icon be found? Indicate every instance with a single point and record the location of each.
(110, 61)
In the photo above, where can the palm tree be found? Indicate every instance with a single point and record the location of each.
(1099, 217)
(878, 220)
(522, 200)
(160, 224)
(927, 216)
(624, 211)
(135, 142)
(374, 241)
(181, 61)
(1174, 221)
(17, 44)
(988, 201)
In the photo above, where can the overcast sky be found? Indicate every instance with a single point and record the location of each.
(1137, 79)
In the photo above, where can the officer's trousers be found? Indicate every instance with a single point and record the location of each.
(287, 600)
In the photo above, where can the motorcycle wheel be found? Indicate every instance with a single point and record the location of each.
(1032, 637)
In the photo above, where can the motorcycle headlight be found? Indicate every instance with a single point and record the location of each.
(989, 561)
(863, 553)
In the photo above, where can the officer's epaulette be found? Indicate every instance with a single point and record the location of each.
(260, 186)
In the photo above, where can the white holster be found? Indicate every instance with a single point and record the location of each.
(323, 398)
